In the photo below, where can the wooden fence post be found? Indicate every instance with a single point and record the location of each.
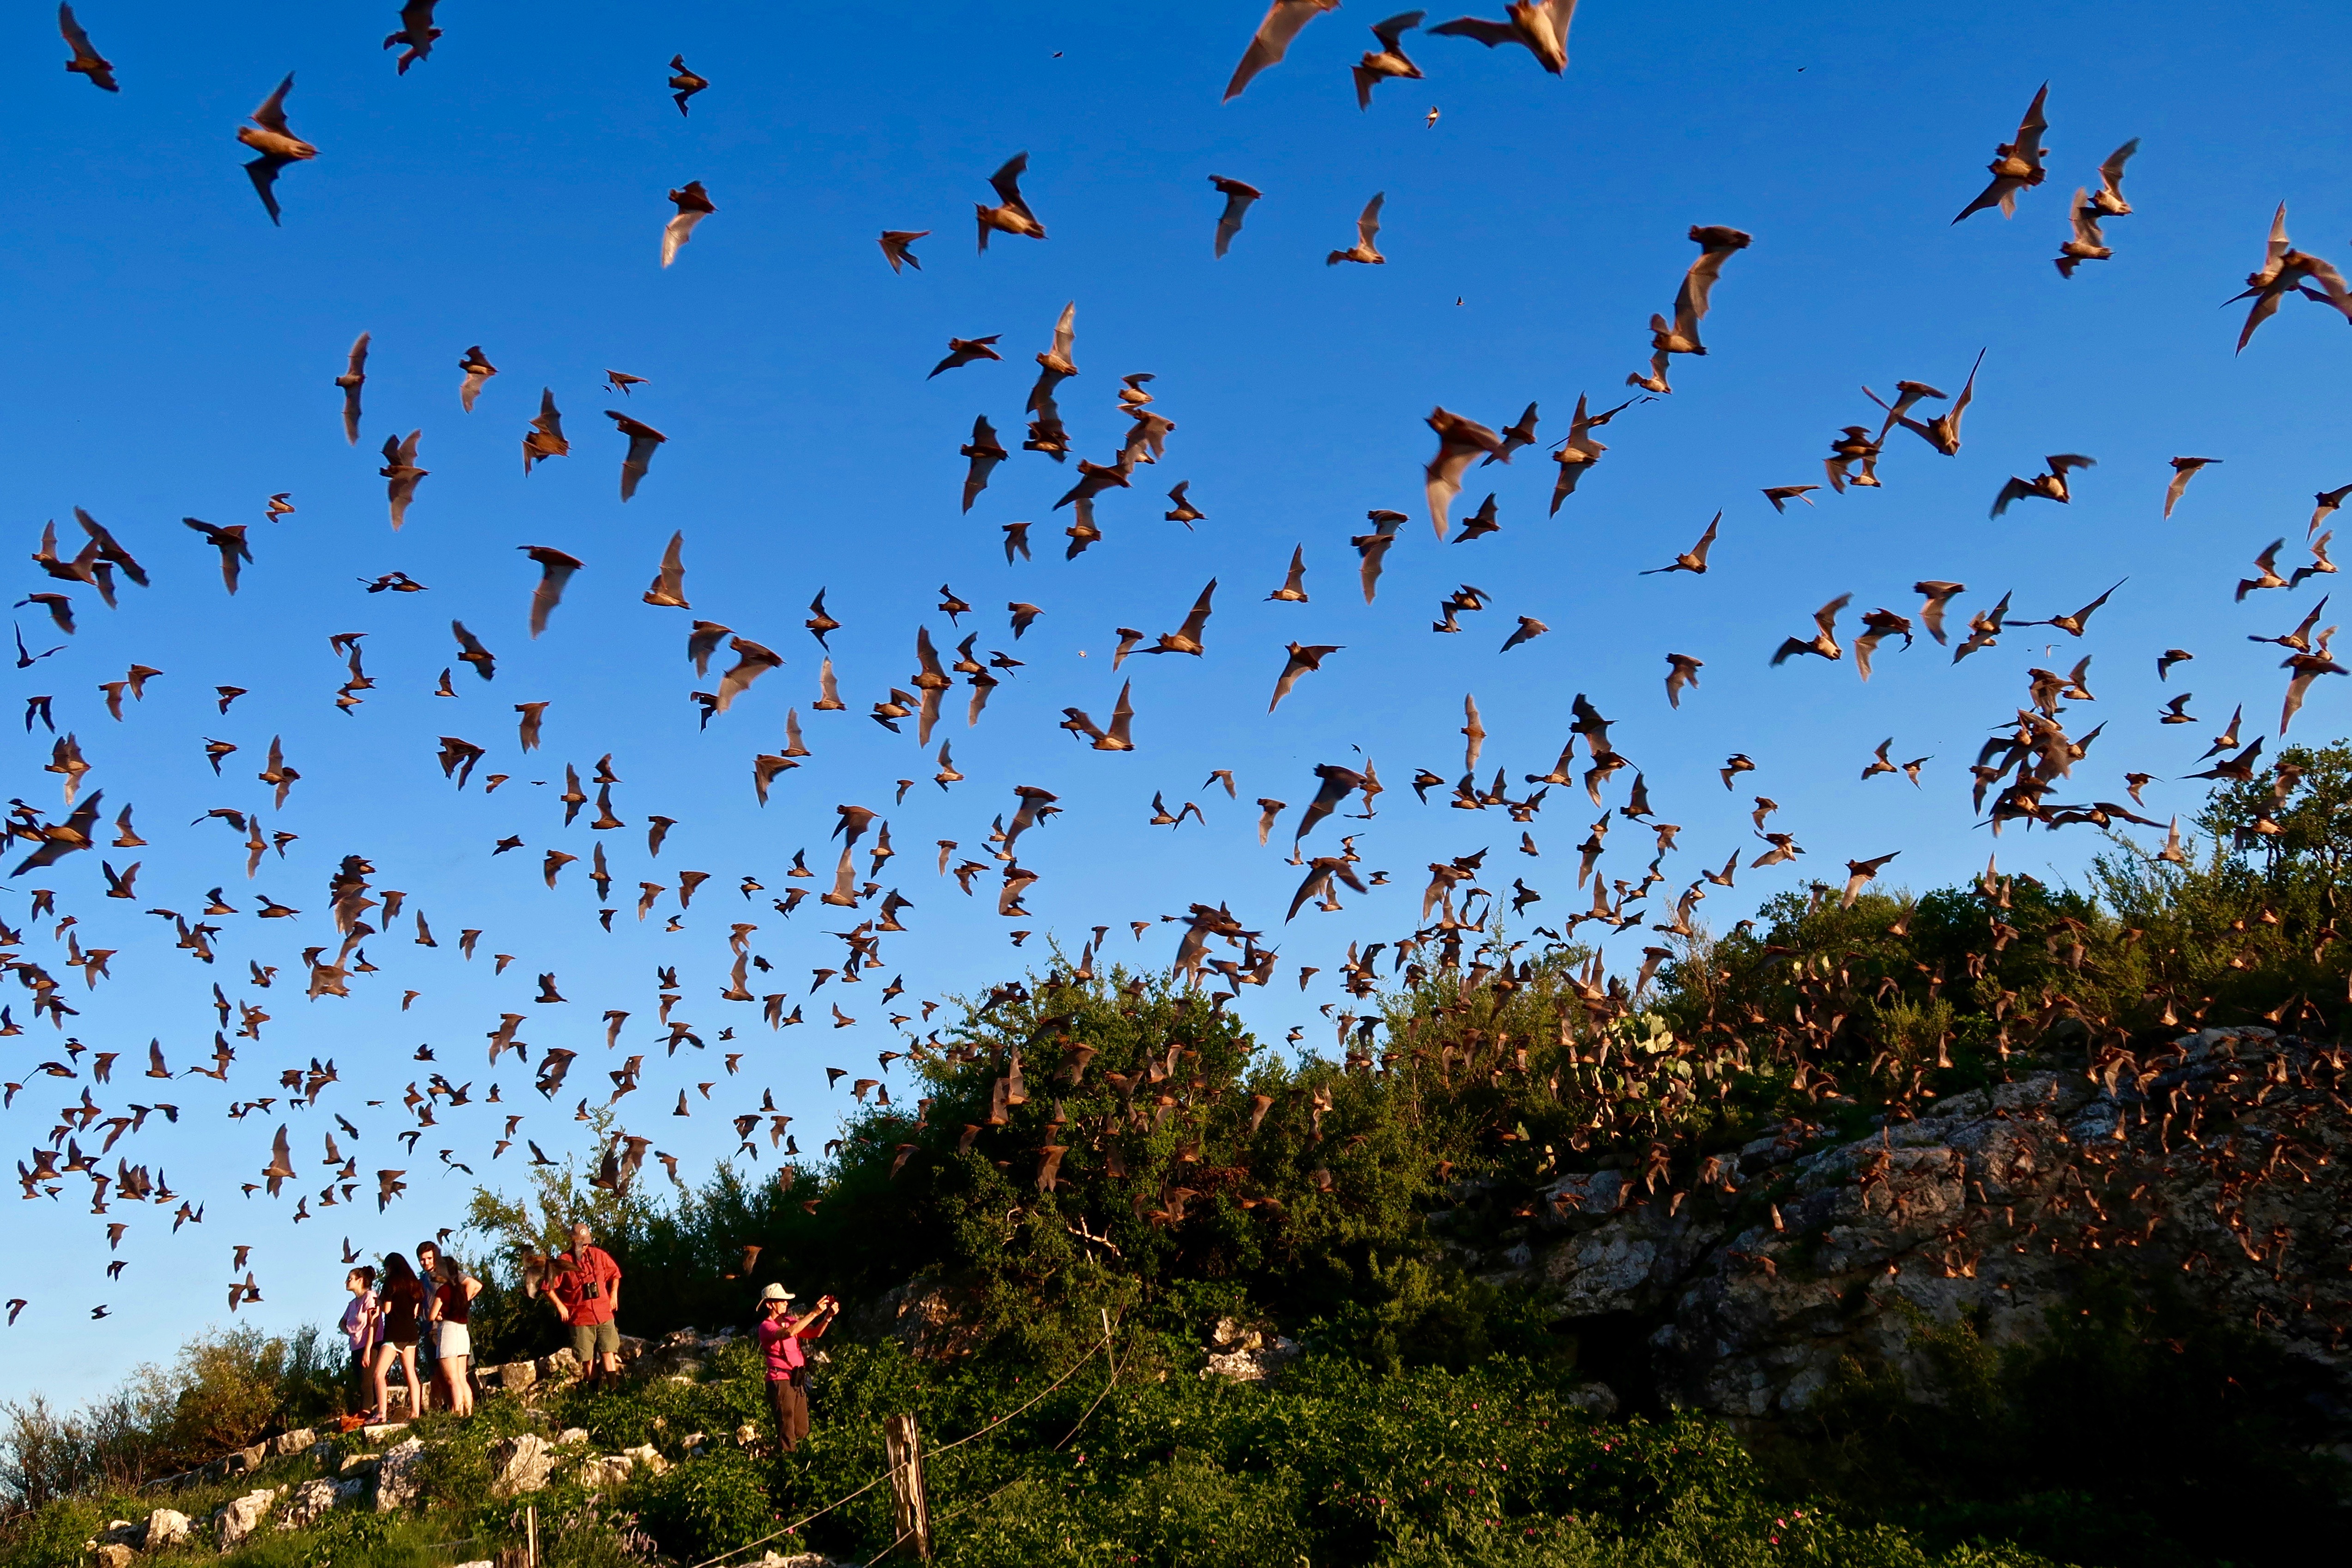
(910, 1509)
(530, 1535)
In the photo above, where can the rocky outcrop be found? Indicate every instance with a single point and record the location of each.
(1248, 1353)
(678, 1355)
(240, 1516)
(521, 1464)
(928, 1318)
(395, 1476)
(165, 1528)
(598, 1473)
(2217, 1163)
(286, 1445)
(314, 1499)
(560, 1365)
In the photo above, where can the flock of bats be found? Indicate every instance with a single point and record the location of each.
(2023, 773)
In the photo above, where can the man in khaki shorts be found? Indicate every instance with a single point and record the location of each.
(585, 1288)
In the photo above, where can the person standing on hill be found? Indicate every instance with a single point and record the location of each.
(781, 1335)
(585, 1290)
(401, 1297)
(362, 1326)
(453, 1293)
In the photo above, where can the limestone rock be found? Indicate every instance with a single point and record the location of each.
(1597, 1399)
(929, 1319)
(1245, 1354)
(240, 1516)
(612, 1469)
(558, 1365)
(314, 1499)
(514, 1376)
(678, 1355)
(112, 1554)
(603, 1471)
(395, 1476)
(2217, 1162)
(166, 1527)
(521, 1464)
(286, 1445)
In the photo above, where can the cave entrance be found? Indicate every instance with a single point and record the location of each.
(1615, 1348)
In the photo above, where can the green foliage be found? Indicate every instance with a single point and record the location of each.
(591, 1533)
(506, 1324)
(1188, 1511)
(236, 1384)
(2027, 1443)
(50, 1535)
(708, 1506)
(1096, 1151)
(1337, 1464)
(224, 1389)
(663, 1412)
(348, 1538)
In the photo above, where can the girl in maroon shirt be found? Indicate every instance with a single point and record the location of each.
(401, 1297)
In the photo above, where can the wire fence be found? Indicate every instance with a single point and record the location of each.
(993, 1423)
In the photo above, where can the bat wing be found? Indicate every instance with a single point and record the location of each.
(2030, 129)
(1284, 20)
(271, 115)
(2111, 172)
(752, 662)
(2015, 490)
(1487, 33)
(1198, 619)
(263, 172)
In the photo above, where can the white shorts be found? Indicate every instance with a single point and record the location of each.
(453, 1341)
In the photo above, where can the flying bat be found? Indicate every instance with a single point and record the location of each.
(1283, 21)
(1540, 26)
(693, 204)
(1238, 197)
(278, 146)
(643, 439)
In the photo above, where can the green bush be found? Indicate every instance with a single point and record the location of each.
(348, 1538)
(1354, 1202)
(236, 1384)
(706, 1506)
(593, 1535)
(51, 1535)
(1994, 1445)
(1189, 1511)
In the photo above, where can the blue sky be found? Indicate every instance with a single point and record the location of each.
(174, 355)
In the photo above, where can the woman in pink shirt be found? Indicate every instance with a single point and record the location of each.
(780, 1336)
(363, 1324)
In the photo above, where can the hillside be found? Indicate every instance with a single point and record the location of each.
(1996, 1224)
